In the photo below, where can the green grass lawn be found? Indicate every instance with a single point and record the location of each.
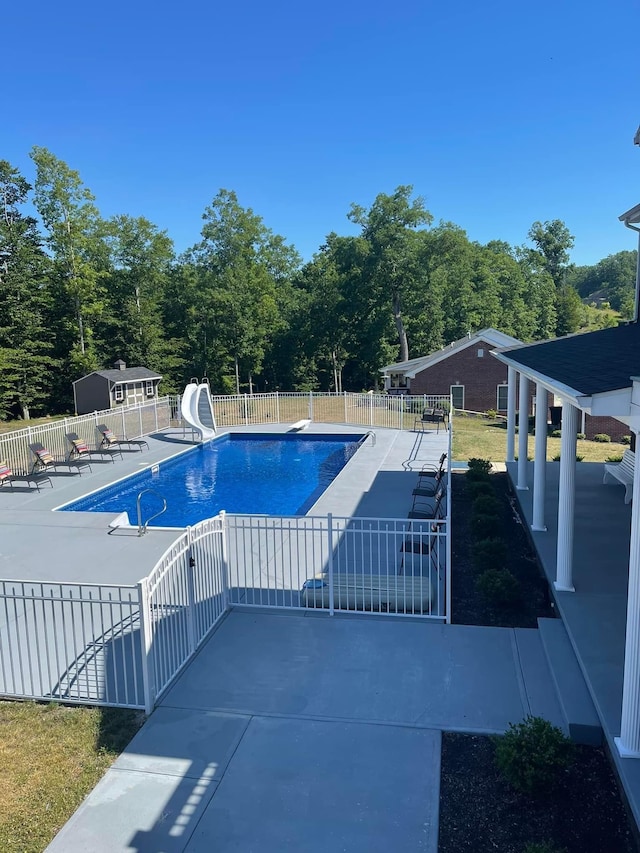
(51, 757)
(487, 439)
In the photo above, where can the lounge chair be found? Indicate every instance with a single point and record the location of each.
(431, 416)
(79, 449)
(45, 461)
(7, 476)
(428, 486)
(111, 441)
(429, 508)
(431, 469)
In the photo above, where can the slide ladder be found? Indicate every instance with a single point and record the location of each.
(196, 408)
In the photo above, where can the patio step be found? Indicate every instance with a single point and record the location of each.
(539, 689)
(575, 700)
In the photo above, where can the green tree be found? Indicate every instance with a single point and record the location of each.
(392, 264)
(571, 313)
(26, 365)
(131, 325)
(552, 240)
(75, 237)
(239, 264)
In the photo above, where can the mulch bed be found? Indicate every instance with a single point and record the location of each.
(478, 810)
(468, 606)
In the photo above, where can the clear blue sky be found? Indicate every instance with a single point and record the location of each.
(499, 113)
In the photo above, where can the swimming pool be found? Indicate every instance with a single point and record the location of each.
(272, 474)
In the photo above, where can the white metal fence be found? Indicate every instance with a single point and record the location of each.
(126, 422)
(183, 598)
(71, 642)
(124, 645)
(381, 410)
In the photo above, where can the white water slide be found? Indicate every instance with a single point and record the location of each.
(197, 409)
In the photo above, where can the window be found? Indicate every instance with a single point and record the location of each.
(502, 398)
(149, 388)
(480, 353)
(457, 396)
(118, 393)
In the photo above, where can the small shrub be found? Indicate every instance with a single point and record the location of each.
(482, 465)
(478, 476)
(480, 487)
(486, 526)
(615, 457)
(491, 414)
(602, 438)
(531, 755)
(490, 553)
(579, 458)
(499, 587)
(486, 505)
(581, 436)
(556, 433)
(626, 439)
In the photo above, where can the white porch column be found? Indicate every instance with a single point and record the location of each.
(523, 432)
(511, 414)
(566, 499)
(540, 459)
(629, 741)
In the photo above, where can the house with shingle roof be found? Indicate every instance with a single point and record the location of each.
(121, 386)
(463, 369)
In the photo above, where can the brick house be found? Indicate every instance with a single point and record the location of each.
(464, 369)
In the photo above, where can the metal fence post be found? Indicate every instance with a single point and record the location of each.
(155, 411)
(140, 419)
(191, 598)
(277, 407)
(310, 405)
(330, 560)
(225, 558)
(246, 410)
(344, 394)
(370, 409)
(146, 642)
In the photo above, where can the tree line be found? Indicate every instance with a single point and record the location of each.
(78, 291)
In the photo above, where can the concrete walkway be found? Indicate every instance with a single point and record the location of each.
(306, 732)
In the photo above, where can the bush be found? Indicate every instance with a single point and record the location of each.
(616, 457)
(481, 465)
(486, 526)
(478, 476)
(602, 438)
(491, 414)
(531, 755)
(556, 433)
(490, 553)
(480, 487)
(486, 505)
(626, 439)
(581, 436)
(556, 458)
(499, 587)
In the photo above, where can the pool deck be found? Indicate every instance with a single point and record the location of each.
(41, 545)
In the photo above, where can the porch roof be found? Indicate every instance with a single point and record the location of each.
(593, 369)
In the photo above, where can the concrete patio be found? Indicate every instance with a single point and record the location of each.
(291, 732)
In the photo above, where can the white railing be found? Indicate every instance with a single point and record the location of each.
(182, 599)
(357, 564)
(373, 410)
(124, 645)
(126, 421)
(71, 642)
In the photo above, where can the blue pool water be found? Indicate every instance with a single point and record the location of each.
(267, 474)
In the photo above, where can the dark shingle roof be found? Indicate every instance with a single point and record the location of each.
(129, 374)
(590, 363)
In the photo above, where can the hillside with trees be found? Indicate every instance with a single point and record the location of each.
(79, 291)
